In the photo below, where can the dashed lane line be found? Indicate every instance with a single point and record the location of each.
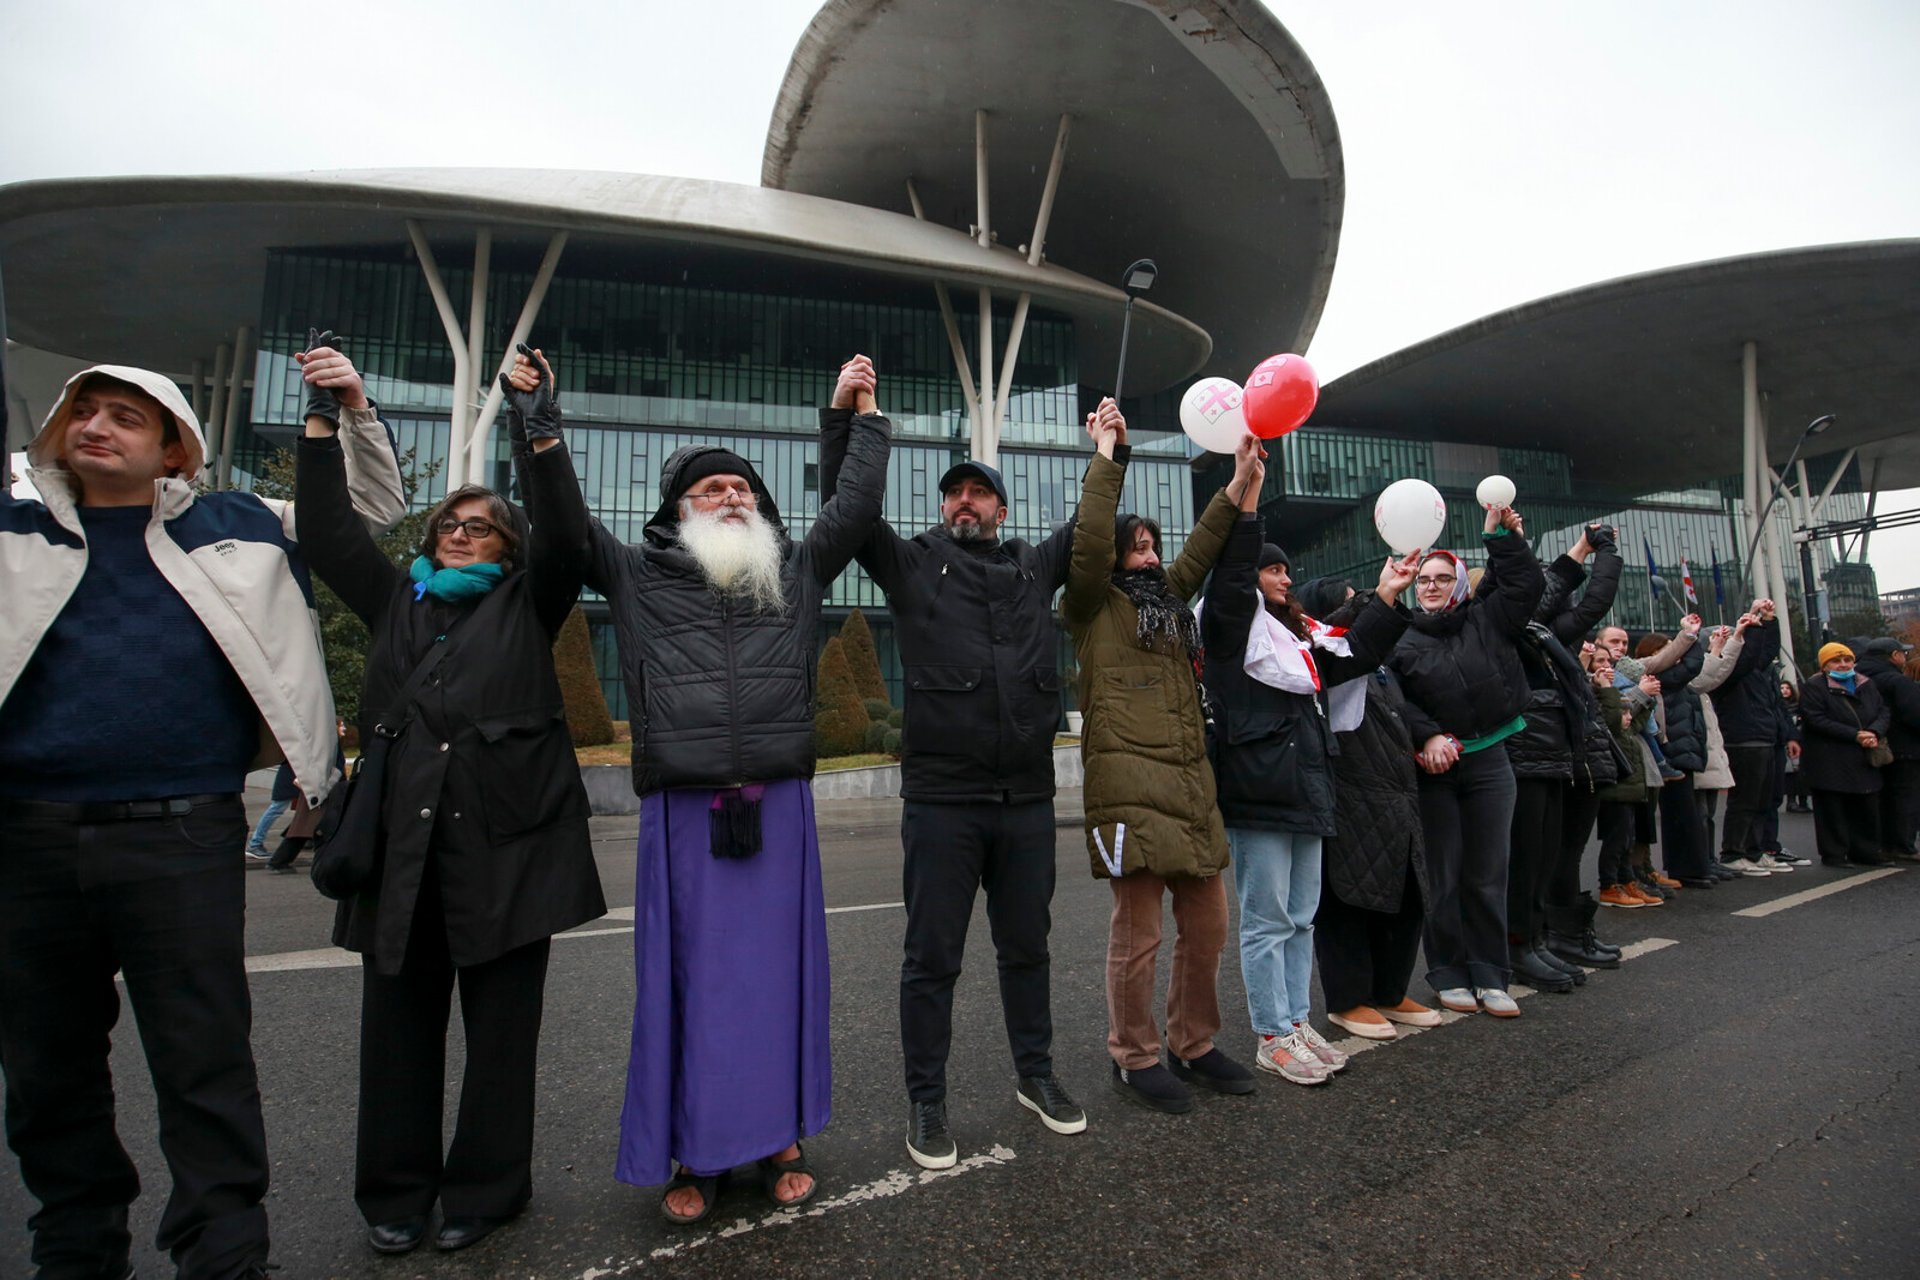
(1791, 900)
(334, 958)
(892, 1183)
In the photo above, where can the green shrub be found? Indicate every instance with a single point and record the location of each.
(878, 709)
(863, 657)
(839, 721)
(897, 718)
(891, 743)
(876, 739)
(588, 719)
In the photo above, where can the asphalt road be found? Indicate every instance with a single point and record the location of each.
(1737, 1100)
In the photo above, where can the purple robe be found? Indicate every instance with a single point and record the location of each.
(730, 1059)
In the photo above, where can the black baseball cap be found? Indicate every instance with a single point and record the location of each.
(1887, 645)
(979, 471)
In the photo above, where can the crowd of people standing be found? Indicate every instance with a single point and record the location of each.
(1378, 775)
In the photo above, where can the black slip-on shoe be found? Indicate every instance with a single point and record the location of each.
(1048, 1099)
(1153, 1087)
(928, 1141)
(1212, 1070)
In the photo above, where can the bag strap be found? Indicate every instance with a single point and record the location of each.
(392, 726)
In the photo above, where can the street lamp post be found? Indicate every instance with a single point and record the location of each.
(1138, 279)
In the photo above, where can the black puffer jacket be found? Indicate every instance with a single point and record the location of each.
(1833, 759)
(1272, 749)
(1748, 703)
(1902, 696)
(721, 693)
(1686, 745)
(977, 637)
(1377, 837)
(1461, 669)
(1560, 707)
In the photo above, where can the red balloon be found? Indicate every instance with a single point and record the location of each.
(1280, 395)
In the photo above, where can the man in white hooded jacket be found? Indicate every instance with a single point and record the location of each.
(156, 644)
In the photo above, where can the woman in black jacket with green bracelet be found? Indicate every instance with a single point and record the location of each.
(1466, 690)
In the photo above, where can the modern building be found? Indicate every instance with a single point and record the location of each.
(944, 189)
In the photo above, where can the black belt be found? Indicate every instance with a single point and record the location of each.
(109, 810)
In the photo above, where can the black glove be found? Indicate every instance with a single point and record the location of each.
(531, 415)
(1600, 538)
(321, 401)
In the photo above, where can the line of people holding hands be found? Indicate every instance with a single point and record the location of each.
(1376, 774)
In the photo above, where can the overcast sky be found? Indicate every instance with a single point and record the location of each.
(1495, 152)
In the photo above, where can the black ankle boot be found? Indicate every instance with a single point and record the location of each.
(1537, 973)
(1546, 957)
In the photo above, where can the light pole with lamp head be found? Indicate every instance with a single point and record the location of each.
(1138, 279)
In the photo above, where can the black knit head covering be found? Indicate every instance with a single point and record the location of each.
(1271, 554)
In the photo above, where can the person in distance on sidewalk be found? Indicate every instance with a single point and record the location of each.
(1845, 721)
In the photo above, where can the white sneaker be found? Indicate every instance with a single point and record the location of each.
(1767, 862)
(1497, 1002)
(1289, 1058)
(1746, 867)
(1335, 1059)
(1459, 999)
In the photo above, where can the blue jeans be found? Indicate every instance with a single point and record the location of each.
(257, 842)
(1277, 874)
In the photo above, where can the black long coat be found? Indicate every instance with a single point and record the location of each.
(483, 787)
(1461, 669)
(1378, 840)
(1832, 758)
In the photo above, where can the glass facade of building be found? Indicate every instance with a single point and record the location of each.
(646, 365)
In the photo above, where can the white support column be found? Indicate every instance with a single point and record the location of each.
(961, 366)
(1772, 554)
(457, 342)
(230, 425)
(1873, 498)
(986, 438)
(1752, 455)
(200, 393)
(476, 336)
(1833, 481)
(210, 425)
(1036, 250)
(536, 296)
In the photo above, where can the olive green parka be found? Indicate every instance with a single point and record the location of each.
(1149, 789)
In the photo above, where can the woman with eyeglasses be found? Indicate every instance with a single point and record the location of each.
(1460, 668)
(485, 836)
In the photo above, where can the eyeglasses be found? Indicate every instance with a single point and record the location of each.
(1447, 581)
(721, 494)
(476, 529)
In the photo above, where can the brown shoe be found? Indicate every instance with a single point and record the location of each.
(1646, 899)
(1664, 880)
(1618, 895)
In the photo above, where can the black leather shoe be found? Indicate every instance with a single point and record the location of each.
(1699, 882)
(403, 1236)
(1536, 973)
(929, 1141)
(459, 1232)
(1552, 961)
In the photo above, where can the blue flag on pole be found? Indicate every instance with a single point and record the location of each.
(1653, 570)
(1719, 592)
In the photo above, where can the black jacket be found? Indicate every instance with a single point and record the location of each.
(1901, 693)
(1748, 703)
(975, 627)
(1686, 745)
(720, 693)
(483, 789)
(1377, 838)
(1461, 669)
(1832, 758)
(1560, 709)
(1273, 749)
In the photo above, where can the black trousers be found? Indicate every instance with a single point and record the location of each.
(1846, 827)
(488, 1170)
(1899, 805)
(952, 851)
(1466, 815)
(1366, 957)
(1683, 840)
(1753, 797)
(1579, 809)
(1538, 815)
(1616, 821)
(1707, 804)
(163, 902)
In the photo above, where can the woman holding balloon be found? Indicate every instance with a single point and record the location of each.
(1466, 691)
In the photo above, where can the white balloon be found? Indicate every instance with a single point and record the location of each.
(1410, 514)
(1495, 491)
(1213, 416)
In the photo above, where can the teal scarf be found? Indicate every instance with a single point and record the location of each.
(455, 586)
(1845, 681)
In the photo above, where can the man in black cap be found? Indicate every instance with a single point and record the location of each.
(973, 617)
(1884, 661)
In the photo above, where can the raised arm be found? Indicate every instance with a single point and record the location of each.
(559, 551)
(1719, 661)
(1091, 564)
(884, 554)
(1241, 496)
(1518, 578)
(1675, 649)
(333, 541)
(848, 516)
(1376, 628)
(337, 403)
(1603, 584)
(1233, 593)
(1687, 659)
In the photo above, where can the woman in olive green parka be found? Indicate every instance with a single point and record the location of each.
(1153, 825)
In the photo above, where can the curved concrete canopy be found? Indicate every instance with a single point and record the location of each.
(1639, 380)
(158, 270)
(1202, 137)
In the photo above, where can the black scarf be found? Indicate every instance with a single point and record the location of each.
(1163, 615)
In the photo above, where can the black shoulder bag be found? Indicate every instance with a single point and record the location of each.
(349, 845)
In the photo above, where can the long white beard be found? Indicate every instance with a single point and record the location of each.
(739, 558)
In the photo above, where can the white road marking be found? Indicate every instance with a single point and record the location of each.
(334, 958)
(1810, 895)
(1351, 1045)
(892, 1183)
